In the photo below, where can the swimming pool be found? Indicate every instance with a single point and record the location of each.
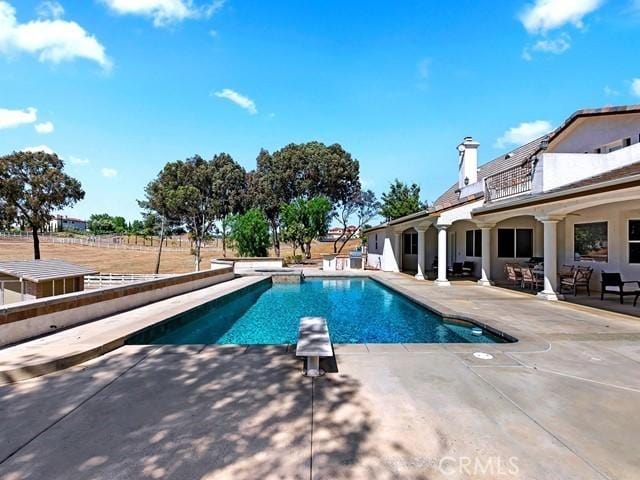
(358, 310)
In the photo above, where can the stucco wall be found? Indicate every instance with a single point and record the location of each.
(589, 133)
(25, 320)
(557, 169)
(617, 216)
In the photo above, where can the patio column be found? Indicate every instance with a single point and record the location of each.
(442, 281)
(550, 258)
(397, 249)
(485, 279)
(421, 253)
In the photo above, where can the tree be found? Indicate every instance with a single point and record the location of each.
(101, 223)
(159, 213)
(302, 171)
(364, 206)
(250, 233)
(33, 186)
(187, 188)
(229, 191)
(304, 220)
(401, 200)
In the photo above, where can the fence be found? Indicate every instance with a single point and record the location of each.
(110, 279)
(115, 243)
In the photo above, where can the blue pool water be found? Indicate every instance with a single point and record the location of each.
(358, 310)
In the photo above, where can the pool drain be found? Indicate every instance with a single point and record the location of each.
(483, 355)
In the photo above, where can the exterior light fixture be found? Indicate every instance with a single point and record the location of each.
(466, 180)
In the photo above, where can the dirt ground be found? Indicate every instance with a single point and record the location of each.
(129, 261)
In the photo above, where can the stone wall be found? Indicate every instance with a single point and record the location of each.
(19, 322)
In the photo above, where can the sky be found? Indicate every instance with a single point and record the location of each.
(117, 88)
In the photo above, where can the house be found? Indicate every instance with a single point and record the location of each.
(571, 197)
(61, 223)
(335, 233)
(30, 279)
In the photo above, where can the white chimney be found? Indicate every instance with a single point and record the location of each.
(467, 162)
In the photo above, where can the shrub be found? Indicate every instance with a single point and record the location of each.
(250, 234)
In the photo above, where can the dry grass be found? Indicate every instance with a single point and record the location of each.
(129, 261)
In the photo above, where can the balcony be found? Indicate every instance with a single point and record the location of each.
(508, 183)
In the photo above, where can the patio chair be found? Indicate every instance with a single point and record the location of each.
(529, 278)
(456, 270)
(612, 283)
(513, 275)
(468, 268)
(566, 271)
(580, 278)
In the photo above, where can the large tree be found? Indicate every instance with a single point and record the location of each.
(187, 189)
(360, 208)
(305, 220)
(302, 171)
(229, 191)
(32, 187)
(101, 223)
(401, 200)
(159, 213)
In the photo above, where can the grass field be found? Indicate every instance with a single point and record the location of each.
(128, 261)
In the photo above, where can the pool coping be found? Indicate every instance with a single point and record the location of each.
(28, 364)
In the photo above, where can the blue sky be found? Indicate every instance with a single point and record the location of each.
(119, 87)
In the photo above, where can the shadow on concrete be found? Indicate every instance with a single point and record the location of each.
(178, 412)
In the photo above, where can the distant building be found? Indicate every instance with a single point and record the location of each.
(61, 223)
(30, 279)
(336, 232)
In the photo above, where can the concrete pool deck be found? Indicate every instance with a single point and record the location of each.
(562, 403)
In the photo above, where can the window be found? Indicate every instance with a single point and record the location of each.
(524, 243)
(515, 243)
(634, 241)
(473, 243)
(410, 243)
(590, 242)
(376, 242)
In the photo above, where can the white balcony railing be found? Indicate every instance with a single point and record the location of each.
(513, 181)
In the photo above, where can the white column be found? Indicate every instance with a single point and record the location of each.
(442, 256)
(421, 253)
(485, 279)
(397, 249)
(550, 258)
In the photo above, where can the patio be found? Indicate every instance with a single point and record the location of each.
(559, 404)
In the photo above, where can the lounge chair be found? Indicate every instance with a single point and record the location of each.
(529, 278)
(513, 274)
(566, 271)
(456, 270)
(468, 268)
(580, 278)
(612, 283)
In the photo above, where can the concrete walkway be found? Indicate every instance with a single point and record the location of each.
(560, 404)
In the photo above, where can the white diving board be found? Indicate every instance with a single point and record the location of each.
(313, 342)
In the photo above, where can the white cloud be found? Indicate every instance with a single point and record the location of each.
(164, 12)
(78, 161)
(45, 127)
(556, 46)
(546, 15)
(13, 118)
(52, 40)
(523, 133)
(610, 92)
(635, 87)
(50, 9)
(239, 99)
(109, 172)
(39, 148)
